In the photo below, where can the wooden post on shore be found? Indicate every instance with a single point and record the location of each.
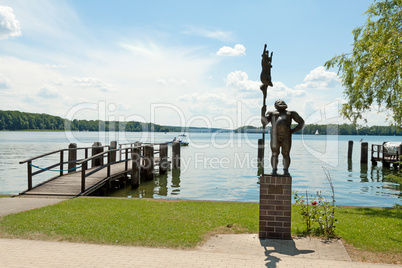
(136, 168)
(148, 162)
(163, 158)
(175, 155)
(138, 144)
(350, 149)
(72, 157)
(364, 153)
(96, 149)
(113, 145)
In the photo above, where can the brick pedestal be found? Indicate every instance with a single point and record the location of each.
(275, 206)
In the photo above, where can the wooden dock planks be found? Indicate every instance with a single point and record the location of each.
(70, 184)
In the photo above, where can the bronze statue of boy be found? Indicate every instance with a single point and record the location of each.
(281, 132)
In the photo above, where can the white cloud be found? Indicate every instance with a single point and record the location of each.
(90, 82)
(9, 25)
(48, 92)
(4, 82)
(281, 91)
(56, 66)
(239, 80)
(238, 50)
(319, 78)
(219, 35)
(251, 89)
(161, 81)
(217, 98)
(210, 104)
(172, 82)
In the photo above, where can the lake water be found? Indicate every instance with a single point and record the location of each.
(219, 166)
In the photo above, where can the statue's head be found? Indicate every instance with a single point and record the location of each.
(280, 105)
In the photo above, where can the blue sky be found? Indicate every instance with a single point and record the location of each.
(189, 63)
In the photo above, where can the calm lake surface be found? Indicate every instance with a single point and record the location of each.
(219, 166)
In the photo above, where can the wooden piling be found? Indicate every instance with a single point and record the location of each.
(175, 155)
(364, 153)
(72, 157)
(148, 162)
(96, 149)
(29, 175)
(136, 168)
(163, 158)
(113, 145)
(350, 149)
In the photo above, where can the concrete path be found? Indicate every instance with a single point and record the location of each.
(241, 250)
(29, 253)
(17, 204)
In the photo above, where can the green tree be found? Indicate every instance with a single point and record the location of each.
(371, 73)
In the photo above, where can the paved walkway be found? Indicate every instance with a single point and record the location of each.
(241, 250)
(10, 205)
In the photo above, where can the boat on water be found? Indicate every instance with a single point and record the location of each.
(316, 132)
(182, 135)
(182, 142)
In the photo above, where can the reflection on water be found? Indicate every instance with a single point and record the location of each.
(176, 181)
(363, 172)
(162, 185)
(350, 164)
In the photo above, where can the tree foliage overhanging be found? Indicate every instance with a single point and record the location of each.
(371, 73)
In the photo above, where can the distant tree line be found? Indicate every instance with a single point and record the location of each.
(15, 120)
(333, 129)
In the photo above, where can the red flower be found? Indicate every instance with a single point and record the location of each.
(314, 203)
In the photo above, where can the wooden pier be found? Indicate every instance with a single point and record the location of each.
(380, 153)
(84, 176)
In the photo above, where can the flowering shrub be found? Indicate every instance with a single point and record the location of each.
(318, 211)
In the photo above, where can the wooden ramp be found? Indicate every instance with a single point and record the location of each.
(70, 184)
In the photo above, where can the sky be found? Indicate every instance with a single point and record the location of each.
(177, 63)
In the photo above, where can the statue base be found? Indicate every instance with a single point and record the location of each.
(275, 206)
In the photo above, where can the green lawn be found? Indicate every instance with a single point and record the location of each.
(184, 224)
(174, 224)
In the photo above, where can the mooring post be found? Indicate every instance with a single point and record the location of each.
(350, 149)
(175, 155)
(61, 162)
(72, 157)
(364, 153)
(136, 168)
(148, 162)
(83, 169)
(139, 144)
(96, 149)
(163, 158)
(113, 146)
(29, 175)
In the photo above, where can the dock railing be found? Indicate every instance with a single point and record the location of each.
(380, 153)
(124, 157)
(142, 155)
(59, 164)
